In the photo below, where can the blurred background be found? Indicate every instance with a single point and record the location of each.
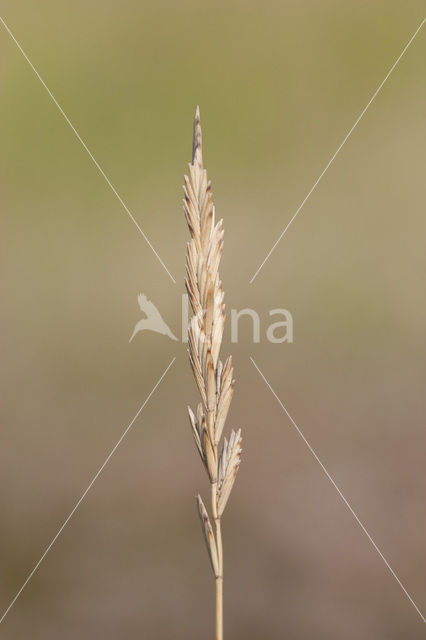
(279, 85)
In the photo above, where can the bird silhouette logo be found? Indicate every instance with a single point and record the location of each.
(153, 320)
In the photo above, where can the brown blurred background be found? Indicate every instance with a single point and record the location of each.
(279, 85)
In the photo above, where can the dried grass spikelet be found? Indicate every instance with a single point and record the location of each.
(228, 466)
(213, 378)
(208, 535)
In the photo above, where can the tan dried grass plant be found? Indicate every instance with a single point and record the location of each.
(220, 457)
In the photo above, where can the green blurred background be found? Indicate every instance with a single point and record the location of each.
(279, 85)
